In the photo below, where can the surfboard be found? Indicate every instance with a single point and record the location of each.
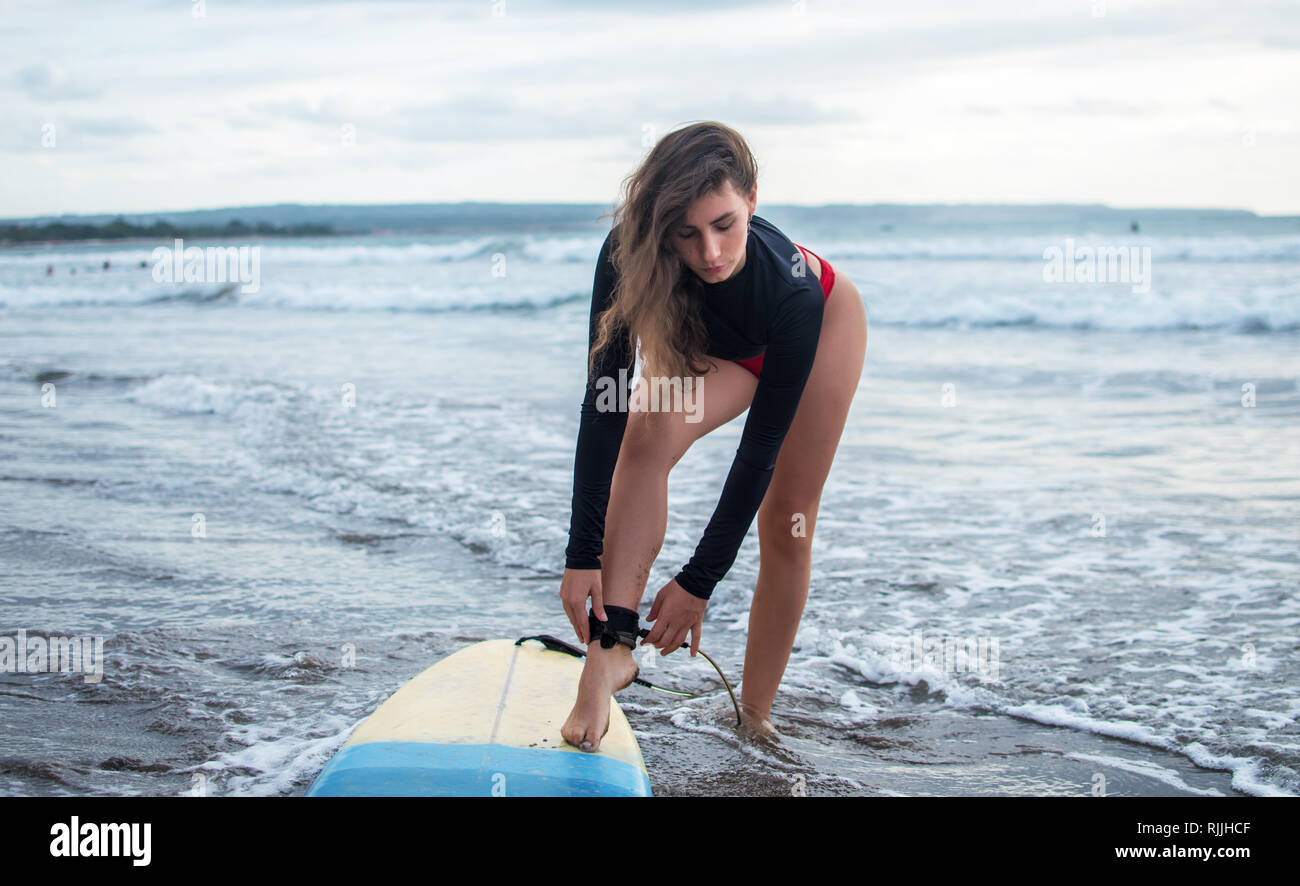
(485, 721)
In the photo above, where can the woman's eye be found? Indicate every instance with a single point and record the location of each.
(686, 235)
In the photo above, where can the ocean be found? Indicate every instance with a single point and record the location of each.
(1057, 553)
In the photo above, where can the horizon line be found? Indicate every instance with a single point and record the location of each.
(596, 204)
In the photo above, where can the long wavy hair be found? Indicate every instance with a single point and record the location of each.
(656, 296)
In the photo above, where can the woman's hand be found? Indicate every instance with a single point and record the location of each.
(576, 586)
(677, 612)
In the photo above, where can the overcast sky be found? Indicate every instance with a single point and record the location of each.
(151, 106)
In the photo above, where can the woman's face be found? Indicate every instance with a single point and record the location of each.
(711, 239)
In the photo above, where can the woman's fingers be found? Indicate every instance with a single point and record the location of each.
(674, 637)
(578, 621)
(674, 643)
(580, 626)
(668, 636)
(568, 611)
(652, 638)
(667, 645)
(576, 586)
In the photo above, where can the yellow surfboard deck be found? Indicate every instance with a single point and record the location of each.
(485, 721)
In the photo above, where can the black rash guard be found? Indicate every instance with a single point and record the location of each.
(772, 306)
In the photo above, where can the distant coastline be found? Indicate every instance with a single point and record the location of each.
(488, 219)
(121, 229)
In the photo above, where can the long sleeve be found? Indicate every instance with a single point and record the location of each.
(600, 429)
(792, 345)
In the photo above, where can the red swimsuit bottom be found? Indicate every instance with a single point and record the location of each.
(755, 364)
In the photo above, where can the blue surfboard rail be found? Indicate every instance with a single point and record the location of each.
(425, 769)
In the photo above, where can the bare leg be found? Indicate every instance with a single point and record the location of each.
(779, 598)
(635, 522)
(788, 515)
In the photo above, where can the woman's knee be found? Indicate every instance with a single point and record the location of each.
(655, 440)
(786, 526)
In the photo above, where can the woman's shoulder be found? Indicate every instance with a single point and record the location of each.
(782, 253)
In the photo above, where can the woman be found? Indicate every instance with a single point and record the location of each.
(691, 273)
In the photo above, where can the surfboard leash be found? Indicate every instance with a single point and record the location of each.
(557, 645)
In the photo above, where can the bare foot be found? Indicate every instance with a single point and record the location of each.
(756, 722)
(606, 672)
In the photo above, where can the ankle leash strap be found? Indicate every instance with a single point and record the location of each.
(624, 626)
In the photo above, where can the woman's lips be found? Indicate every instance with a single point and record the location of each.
(716, 270)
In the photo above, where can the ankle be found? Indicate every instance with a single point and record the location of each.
(617, 654)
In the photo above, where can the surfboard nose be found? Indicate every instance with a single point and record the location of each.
(485, 721)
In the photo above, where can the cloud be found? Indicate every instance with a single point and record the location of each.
(111, 127)
(506, 117)
(49, 81)
(24, 133)
(1094, 107)
(439, 92)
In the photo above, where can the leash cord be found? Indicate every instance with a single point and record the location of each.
(557, 645)
(644, 633)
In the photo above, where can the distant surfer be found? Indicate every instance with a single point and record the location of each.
(726, 305)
